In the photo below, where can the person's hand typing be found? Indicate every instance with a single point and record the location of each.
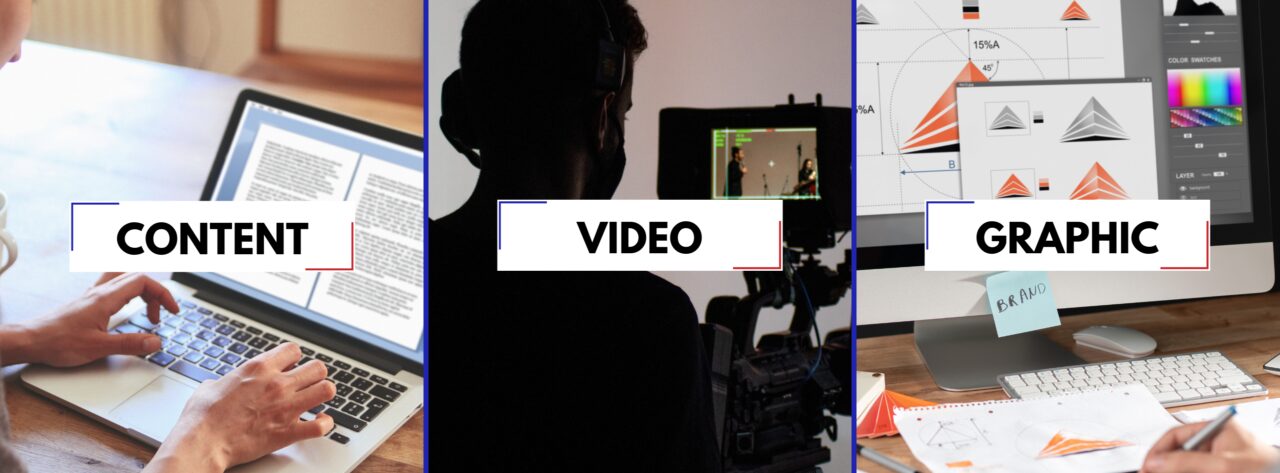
(250, 412)
(1233, 450)
(76, 333)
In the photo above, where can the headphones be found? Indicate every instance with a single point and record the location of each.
(611, 57)
(610, 72)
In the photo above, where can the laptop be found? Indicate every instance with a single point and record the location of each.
(366, 324)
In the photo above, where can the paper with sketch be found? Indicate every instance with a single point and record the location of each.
(1261, 418)
(1098, 431)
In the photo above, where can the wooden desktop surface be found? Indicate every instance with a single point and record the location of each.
(1244, 328)
(82, 126)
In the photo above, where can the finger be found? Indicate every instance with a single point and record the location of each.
(310, 429)
(306, 375)
(1186, 462)
(1232, 436)
(313, 396)
(281, 358)
(154, 304)
(131, 344)
(123, 289)
(153, 311)
(105, 278)
(1175, 437)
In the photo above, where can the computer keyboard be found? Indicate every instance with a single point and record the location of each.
(204, 345)
(1175, 380)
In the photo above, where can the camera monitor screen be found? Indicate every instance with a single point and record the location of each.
(764, 163)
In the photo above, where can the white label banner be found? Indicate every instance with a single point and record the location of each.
(1067, 235)
(217, 236)
(640, 235)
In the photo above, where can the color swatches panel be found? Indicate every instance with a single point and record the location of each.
(1205, 88)
(1206, 117)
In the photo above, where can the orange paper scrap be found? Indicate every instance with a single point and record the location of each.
(879, 419)
(1061, 445)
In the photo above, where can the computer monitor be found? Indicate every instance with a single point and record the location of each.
(1203, 62)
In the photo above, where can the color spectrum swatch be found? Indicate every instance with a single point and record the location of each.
(1205, 88)
(1206, 117)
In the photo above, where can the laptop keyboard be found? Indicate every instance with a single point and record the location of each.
(204, 345)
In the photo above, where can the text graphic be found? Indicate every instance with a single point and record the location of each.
(220, 236)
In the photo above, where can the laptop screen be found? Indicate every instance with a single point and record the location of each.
(279, 155)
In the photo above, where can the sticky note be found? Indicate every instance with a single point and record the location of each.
(1021, 302)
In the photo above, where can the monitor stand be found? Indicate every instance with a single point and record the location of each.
(964, 354)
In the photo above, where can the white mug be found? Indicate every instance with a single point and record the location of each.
(6, 238)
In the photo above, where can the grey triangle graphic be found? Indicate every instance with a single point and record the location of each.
(1094, 123)
(1007, 120)
(865, 17)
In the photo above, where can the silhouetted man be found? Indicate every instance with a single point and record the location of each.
(737, 169)
(554, 371)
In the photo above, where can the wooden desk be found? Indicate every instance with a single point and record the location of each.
(1244, 328)
(83, 126)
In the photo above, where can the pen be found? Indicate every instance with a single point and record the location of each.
(1210, 430)
(884, 461)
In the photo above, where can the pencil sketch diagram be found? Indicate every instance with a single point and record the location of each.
(911, 56)
(954, 435)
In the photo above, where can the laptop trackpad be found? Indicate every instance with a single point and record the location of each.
(154, 410)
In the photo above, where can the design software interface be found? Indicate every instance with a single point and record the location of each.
(1073, 99)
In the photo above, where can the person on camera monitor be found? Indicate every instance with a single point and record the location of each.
(555, 371)
(735, 171)
(808, 179)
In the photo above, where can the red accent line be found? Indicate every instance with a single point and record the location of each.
(779, 266)
(1206, 254)
(353, 254)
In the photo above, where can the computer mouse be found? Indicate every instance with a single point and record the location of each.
(1122, 341)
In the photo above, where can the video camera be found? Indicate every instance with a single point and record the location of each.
(772, 399)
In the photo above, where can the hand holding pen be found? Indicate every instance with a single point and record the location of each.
(1233, 449)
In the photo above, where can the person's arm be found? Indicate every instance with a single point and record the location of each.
(1233, 450)
(15, 19)
(250, 412)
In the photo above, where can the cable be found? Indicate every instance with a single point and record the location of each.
(813, 320)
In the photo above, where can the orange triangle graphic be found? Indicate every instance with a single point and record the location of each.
(938, 127)
(1075, 12)
(1061, 445)
(1013, 187)
(1098, 185)
(879, 419)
